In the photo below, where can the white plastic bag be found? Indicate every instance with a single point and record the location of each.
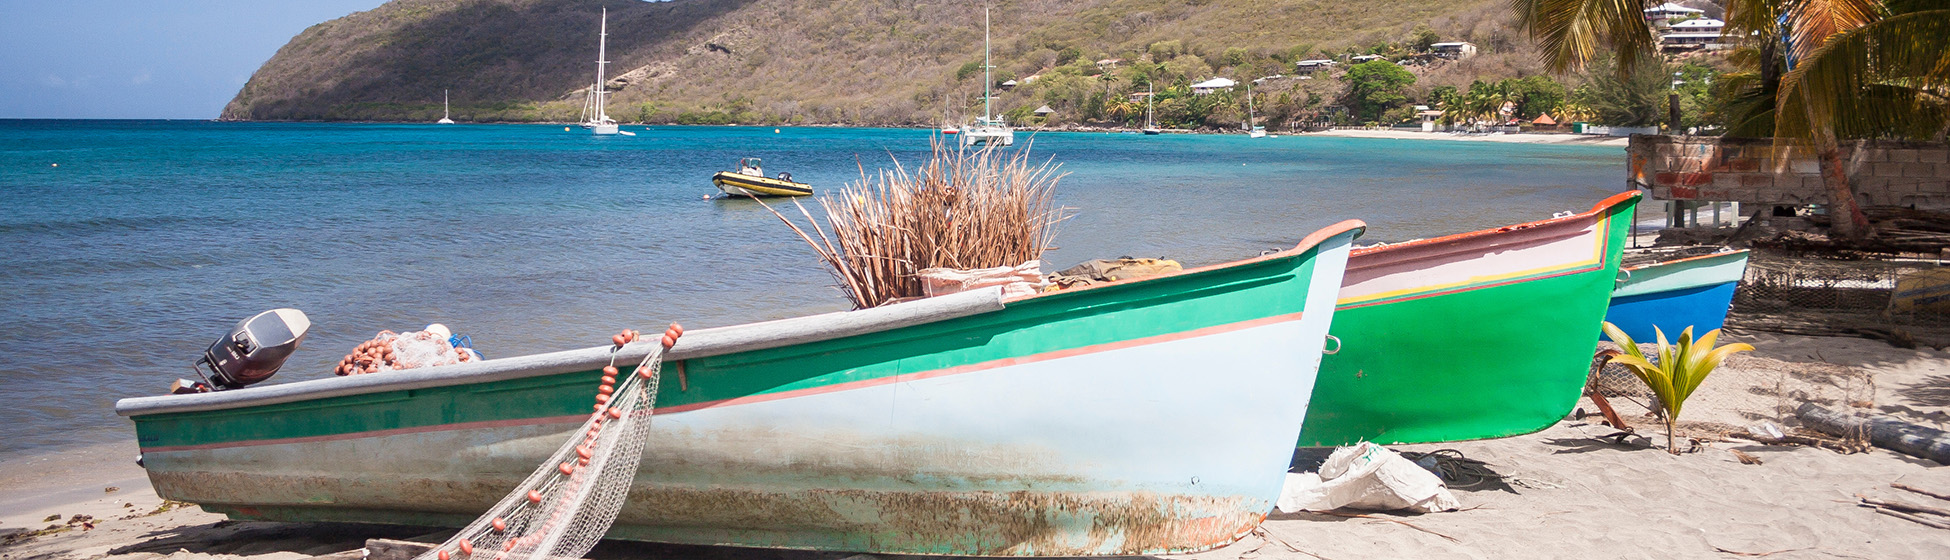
(1370, 477)
(1019, 280)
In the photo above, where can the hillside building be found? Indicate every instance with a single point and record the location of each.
(1669, 11)
(1454, 50)
(1309, 67)
(1212, 85)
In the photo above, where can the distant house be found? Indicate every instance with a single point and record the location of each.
(1670, 11)
(1212, 85)
(1044, 111)
(1674, 42)
(1363, 58)
(1699, 25)
(1011, 84)
(1138, 96)
(1544, 120)
(1032, 78)
(1309, 67)
(1109, 63)
(1454, 50)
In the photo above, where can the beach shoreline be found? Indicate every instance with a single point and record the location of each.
(1561, 139)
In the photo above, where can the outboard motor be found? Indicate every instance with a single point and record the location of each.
(255, 349)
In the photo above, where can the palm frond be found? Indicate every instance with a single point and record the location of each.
(1572, 32)
(1812, 23)
(1886, 77)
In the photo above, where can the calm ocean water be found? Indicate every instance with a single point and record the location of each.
(126, 247)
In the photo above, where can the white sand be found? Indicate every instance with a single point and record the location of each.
(1566, 495)
(1580, 139)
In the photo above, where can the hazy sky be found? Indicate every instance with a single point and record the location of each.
(142, 59)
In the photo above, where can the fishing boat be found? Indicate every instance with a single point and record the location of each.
(1692, 292)
(446, 112)
(1150, 126)
(991, 129)
(595, 107)
(1145, 416)
(750, 179)
(1470, 336)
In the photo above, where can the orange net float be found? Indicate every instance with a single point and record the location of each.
(534, 497)
(567, 468)
(609, 371)
(443, 554)
(500, 524)
(466, 547)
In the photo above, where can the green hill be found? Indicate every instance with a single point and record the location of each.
(878, 62)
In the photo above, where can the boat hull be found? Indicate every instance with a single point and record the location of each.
(739, 184)
(1479, 335)
(1695, 292)
(1141, 417)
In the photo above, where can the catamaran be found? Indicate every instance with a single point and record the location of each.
(595, 113)
(446, 112)
(990, 129)
(1150, 125)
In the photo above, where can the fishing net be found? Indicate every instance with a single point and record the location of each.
(566, 506)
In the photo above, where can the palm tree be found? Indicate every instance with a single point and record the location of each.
(1857, 68)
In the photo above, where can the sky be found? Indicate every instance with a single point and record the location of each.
(142, 59)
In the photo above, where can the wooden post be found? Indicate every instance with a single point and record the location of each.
(1883, 431)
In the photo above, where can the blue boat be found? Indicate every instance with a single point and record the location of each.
(1672, 295)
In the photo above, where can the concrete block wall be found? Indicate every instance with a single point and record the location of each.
(1756, 171)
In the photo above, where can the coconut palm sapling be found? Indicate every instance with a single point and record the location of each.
(1678, 370)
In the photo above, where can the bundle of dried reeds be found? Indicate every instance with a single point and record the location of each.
(961, 209)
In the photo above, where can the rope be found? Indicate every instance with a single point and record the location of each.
(1459, 471)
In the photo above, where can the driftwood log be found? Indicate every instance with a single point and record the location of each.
(1883, 431)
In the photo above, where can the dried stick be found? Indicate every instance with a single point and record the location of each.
(1918, 490)
(1901, 515)
(1404, 523)
(1903, 506)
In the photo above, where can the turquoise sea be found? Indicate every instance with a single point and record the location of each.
(127, 247)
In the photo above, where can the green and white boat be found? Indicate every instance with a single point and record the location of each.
(1139, 417)
(1477, 335)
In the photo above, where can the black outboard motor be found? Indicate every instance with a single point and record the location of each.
(255, 349)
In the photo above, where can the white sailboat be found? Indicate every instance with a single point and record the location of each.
(1253, 129)
(446, 112)
(595, 109)
(1150, 126)
(990, 129)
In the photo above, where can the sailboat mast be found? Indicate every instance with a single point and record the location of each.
(446, 112)
(987, 80)
(1249, 105)
(602, 58)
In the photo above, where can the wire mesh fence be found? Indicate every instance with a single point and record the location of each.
(1744, 391)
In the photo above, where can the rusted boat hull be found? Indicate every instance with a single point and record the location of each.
(1141, 417)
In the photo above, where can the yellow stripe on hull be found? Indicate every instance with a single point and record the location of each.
(734, 183)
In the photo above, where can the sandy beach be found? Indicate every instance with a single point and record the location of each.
(1572, 139)
(1563, 492)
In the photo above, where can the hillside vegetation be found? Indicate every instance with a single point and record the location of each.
(869, 62)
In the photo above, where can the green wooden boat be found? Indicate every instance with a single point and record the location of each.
(1146, 416)
(1477, 335)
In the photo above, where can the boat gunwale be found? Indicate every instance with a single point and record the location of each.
(1721, 254)
(714, 341)
(1602, 206)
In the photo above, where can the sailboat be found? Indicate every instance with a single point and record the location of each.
(1150, 126)
(595, 109)
(989, 129)
(446, 112)
(1253, 130)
